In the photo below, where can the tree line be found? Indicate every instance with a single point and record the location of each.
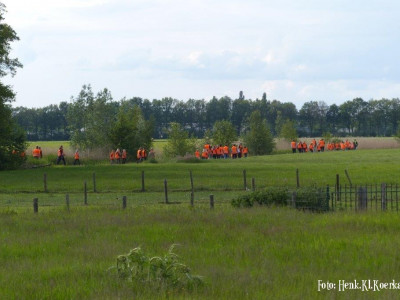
(354, 117)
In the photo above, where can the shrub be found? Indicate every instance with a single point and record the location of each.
(160, 272)
(311, 198)
(270, 196)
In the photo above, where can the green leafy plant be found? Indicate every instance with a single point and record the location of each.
(161, 272)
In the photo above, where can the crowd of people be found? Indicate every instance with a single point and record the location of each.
(222, 152)
(301, 147)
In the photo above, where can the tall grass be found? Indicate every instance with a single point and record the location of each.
(265, 253)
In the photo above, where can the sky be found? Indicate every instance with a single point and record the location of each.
(295, 51)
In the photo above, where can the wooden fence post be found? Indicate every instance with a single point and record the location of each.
(244, 180)
(383, 196)
(123, 202)
(143, 181)
(362, 198)
(297, 178)
(212, 201)
(253, 184)
(294, 196)
(85, 193)
(337, 187)
(191, 183)
(348, 177)
(45, 182)
(35, 205)
(67, 201)
(94, 183)
(166, 191)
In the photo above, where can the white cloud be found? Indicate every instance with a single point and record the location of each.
(293, 50)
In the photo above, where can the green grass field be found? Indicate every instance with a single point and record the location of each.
(257, 253)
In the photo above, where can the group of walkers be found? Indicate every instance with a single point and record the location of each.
(118, 156)
(222, 152)
(301, 147)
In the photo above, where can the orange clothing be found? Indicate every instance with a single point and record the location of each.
(36, 152)
(197, 154)
(245, 150)
(123, 153)
(76, 156)
(117, 154)
(112, 155)
(204, 154)
(139, 154)
(293, 144)
(226, 150)
(234, 150)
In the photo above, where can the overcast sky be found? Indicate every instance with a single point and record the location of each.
(294, 51)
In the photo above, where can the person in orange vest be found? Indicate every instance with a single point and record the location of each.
(220, 152)
(144, 154)
(76, 158)
(311, 147)
(204, 154)
(245, 151)
(124, 155)
(117, 155)
(304, 147)
(293, 145)
(197, 154)
(214, 152)
(300, 147)
(60, 155)
(226, 151)
(139, 155)
(322, 144)
(240, 150)
(342, 146)
(234, 151)
(36, 152)
(112, 157)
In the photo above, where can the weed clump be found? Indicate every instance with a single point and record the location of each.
(164, 273)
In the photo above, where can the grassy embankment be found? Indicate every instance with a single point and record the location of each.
(254, 253)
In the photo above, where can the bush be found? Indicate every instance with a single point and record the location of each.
(311, 198)
(270, 196)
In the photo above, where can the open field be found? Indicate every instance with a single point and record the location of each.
(264, 253)
(257, 253)
(364, 143)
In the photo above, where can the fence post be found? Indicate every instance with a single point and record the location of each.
(294, 195)
(244, 180)
(123, 202)
(94, 182)
(35, 205)
(142, 181)
(362, 198)
(45, 182)
(192, 199)
(348, 177)
(191, 186)
(253, 184)
(166, 191)
(67, 201)
(383, 196)
(327, 197)
(297, 178)
(212, 201)
(85, 193)
(337, 187)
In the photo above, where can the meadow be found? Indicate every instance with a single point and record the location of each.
(257, 253)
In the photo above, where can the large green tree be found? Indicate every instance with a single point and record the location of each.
(12, 138)
(259, 138)
(223, 133)
(131, 131)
